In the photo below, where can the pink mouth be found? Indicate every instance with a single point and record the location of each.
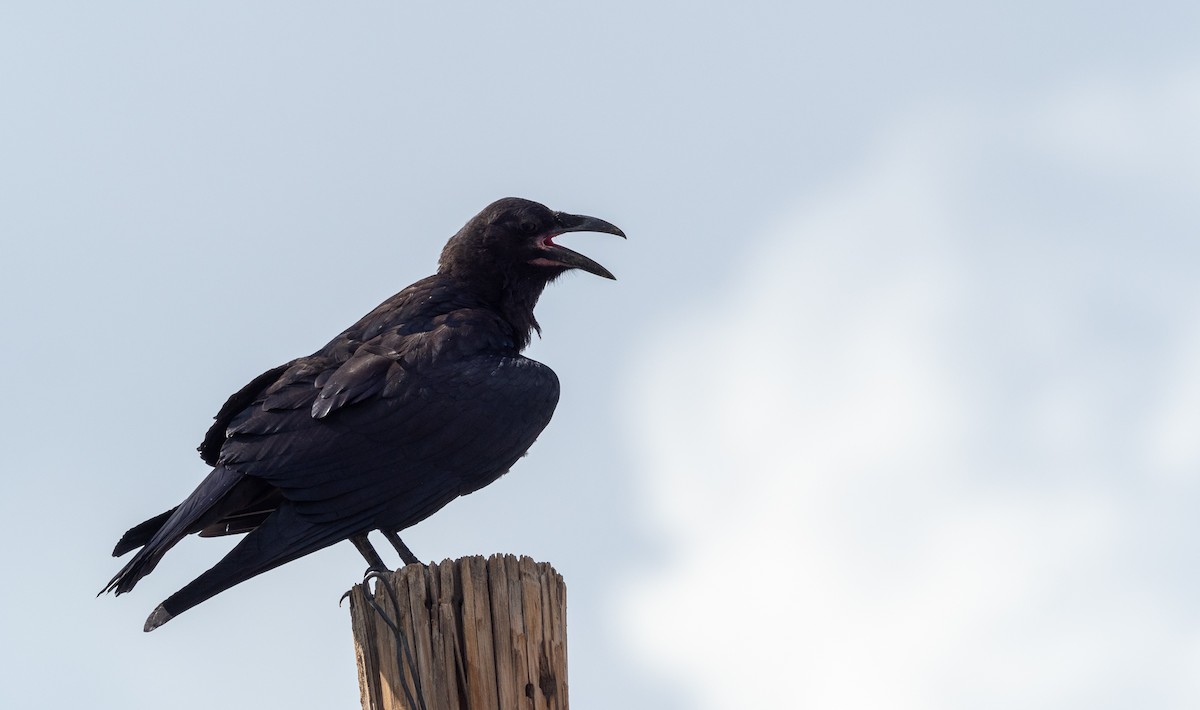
(547, 243)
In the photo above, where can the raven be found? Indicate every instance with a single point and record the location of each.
(425, 399)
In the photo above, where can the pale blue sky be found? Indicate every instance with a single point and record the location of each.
(907, 317)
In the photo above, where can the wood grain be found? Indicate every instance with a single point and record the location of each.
(486, 634)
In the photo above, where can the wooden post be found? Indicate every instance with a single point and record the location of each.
(484, 635)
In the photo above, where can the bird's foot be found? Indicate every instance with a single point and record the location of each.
(374, 561)
(405, 553)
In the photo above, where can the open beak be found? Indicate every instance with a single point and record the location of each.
(563, 256)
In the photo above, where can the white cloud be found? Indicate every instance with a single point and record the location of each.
(1150, 133)
(908, 465)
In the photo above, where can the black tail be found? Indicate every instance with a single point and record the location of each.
(198, 510)
(283, 537)
(139, 535)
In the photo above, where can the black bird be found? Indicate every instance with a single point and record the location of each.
(424, 399)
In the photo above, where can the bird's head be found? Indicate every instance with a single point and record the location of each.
(512, 241)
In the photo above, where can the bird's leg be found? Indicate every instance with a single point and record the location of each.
(405, 553)
(374, 561)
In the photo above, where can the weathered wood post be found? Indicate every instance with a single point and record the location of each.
(483, 635)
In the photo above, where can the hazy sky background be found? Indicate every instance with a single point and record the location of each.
(894, 404)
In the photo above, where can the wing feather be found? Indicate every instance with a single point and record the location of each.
(399, 458)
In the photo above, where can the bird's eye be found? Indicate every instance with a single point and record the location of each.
(529, 227)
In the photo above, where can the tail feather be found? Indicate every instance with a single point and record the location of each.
(283, 537)
(140, 534)
(198, 510)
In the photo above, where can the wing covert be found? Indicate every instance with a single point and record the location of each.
(400, 453)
